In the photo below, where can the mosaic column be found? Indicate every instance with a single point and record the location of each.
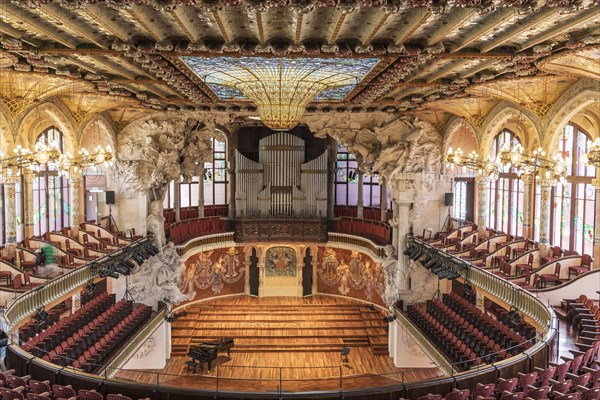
(360, 204)
(403, 261)
(29, 211)
(596, 183)
(201, 193)
(177, 199)
(10, 193)
(545, 186)
(527, 196)
(75, 200)
(383, 199)
(314, 252)
(482, 215)
(247, 264)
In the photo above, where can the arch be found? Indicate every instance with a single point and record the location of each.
(98, 131)
(521, 122)
(6, 137)
(577, 99)
(44, 116)
(456, 134)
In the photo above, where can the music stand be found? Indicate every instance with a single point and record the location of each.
(344, 355)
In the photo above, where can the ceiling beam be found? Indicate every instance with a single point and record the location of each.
(578, 19)
(336, 29)
(376, 29)
(495, 19)
(484, 65)
(428, 69)
(183, 21)
(456, 18)
(67, 18)
(35, 25)
(117, 70)
(219, 22)
(411, 24)
(138, 14)
(104, 18)
(446, 71)
(299, 21)
(260, 27)
(505, 37)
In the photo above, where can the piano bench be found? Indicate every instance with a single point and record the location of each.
(191, 364)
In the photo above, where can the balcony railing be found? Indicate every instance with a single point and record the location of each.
(26, 304)
(356, 241)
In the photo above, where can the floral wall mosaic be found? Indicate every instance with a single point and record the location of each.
(214, 273)
(350, 273)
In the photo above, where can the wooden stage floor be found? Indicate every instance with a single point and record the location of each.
(290, 342)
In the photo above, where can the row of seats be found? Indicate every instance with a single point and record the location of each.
(184, 230)
(41, 334)
(460, 352)
(583, 314)
(360, 227)
(508, 335)
(576, 378)
(14, 387)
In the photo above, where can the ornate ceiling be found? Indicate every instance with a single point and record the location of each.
(437, 58)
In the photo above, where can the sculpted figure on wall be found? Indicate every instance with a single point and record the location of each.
(389, 145)
(390, 266)
(155, 223)
(159, 278)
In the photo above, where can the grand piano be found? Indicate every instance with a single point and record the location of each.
(206, 352)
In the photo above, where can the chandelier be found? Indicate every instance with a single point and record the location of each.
(49, 158)
(593, 155)
(513, 158)
(281, 88)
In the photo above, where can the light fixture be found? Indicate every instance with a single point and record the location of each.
(513, 158)
(50, 158)
(593, 155)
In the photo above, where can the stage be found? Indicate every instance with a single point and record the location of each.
(284, 343)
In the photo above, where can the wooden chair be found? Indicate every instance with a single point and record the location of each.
(555, 277)
(522, 268)
(24, 264)
(586, 262)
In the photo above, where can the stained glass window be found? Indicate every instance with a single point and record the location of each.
(459, 210)
(506, 194)
(215, 175)
(574, 204)
(346, 178)
(51, 191)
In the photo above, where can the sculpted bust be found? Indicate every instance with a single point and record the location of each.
(155, 223)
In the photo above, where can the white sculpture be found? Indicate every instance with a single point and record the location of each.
(155, 223)
(159, 278)
(390, 265)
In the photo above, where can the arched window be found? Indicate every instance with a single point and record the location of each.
(505, 195)
(214, 181)
(574, 204)
(51, 199)
(346, 178)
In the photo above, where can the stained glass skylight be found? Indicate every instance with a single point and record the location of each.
(224, 75)
(281, 88)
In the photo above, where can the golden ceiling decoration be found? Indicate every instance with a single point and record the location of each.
(580, 62)
(7, 60)
(85, 106)
(537, 94)
(20, 90)
(472, 109)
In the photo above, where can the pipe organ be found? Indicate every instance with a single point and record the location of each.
(281, 184)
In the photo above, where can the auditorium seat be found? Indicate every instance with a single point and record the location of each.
(554, 278)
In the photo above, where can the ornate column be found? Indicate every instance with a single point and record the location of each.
(360, 203)
(231, 196)
(331, 179)
(596, 183)
(482, 215)
(545, 186)
(10, 193)
(177, 199)
(314, 252)
(300, 253)
(403, 225)
(384, 199)
(247, 264)
(201, 193)
(395, 217)
(75, 203)
(527, 196)
(29, 211)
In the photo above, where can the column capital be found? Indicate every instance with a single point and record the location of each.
(546, 183)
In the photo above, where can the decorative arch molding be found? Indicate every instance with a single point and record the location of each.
(7, 124)
(581, 95)
(43, 116)
(506, 113)
(6, 134)
(453, 127)
(104, 123)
